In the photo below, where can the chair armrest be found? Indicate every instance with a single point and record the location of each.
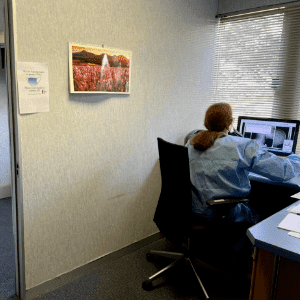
(226, 201)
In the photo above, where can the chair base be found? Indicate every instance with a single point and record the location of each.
(179, 257)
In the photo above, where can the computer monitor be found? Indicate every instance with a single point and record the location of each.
(278, 136)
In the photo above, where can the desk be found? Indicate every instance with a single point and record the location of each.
(276, 264)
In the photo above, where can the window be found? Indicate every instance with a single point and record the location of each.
(257, 57)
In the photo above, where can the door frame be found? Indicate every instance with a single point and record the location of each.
(15, 152)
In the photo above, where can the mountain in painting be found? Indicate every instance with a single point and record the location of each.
(85, 57)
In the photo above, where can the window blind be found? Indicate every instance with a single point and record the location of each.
(257, 64)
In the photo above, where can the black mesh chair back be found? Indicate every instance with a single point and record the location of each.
(174, 206)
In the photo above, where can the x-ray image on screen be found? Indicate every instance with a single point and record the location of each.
(275, 139)
(275, 136)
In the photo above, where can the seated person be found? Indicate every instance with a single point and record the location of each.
(220, 164)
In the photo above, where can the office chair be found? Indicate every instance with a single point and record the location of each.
(173, 215)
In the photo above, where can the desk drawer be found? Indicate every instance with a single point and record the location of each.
(285, 280)
(288, 280)
(261, 284)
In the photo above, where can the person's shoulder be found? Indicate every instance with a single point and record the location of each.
(189, 143)
(237, 139)
(239, 142)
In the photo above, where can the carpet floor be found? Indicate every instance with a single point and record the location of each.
(7, 250)
(122, 279)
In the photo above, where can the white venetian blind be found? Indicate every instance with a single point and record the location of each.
(257, 64)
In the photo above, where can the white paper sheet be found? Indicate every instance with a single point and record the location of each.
(297, 196)
(33, 87)
(294, 234)
(295, 209)
(291, 222)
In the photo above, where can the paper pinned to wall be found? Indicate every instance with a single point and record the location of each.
(33, 87)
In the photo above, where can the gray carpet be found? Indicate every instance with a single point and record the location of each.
(121, 279)
(7, 250)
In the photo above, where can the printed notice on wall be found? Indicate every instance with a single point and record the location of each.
(33, 87)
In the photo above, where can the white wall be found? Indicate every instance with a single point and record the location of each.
(89, 168)
(5, 173)
(226, 6)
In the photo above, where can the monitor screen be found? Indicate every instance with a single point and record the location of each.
(275, 135)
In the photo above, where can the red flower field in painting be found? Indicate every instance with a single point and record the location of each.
(89, 77)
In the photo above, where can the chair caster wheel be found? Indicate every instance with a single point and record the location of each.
(149, 257)
(147, 285)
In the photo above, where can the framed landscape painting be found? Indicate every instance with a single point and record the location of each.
(99, 70)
